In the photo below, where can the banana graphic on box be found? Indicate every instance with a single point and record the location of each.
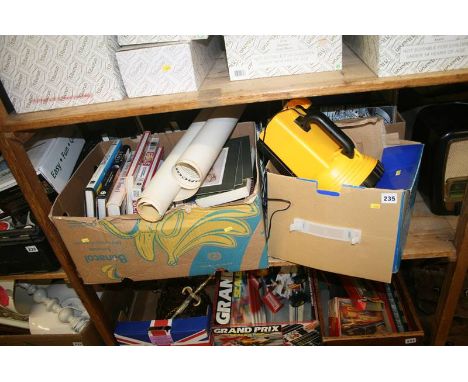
(218, 227)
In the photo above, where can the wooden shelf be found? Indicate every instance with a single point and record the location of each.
(430, 236)
(60, 274)
(218, 90)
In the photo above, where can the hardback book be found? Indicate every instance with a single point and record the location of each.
(53, 158)
(347, 320)
(132, 172)
(96, 181)
(157, 161)
(243, 179)
(115, 203)
(146, 172)
(110, 179)
(152, 153)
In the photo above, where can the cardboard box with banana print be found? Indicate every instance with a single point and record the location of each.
(188, 241)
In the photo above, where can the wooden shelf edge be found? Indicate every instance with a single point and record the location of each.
(57, 275)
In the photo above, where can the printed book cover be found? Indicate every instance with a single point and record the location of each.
(242, 182)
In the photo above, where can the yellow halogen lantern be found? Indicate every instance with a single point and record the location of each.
(309, 145)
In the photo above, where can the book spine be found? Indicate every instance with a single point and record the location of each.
(143, 171)
(334, 325)
(145, 165)
(139, 153)
(129, 180)
(394, 309)
(401, 309)
(110, 179)
(111, 175)
(115, 205)
(154, 166)
(95, 183)
(388, 315)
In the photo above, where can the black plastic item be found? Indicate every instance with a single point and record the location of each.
(330, 128)
(375, 175)
(438, 127)
(268, 155)
(26, 250)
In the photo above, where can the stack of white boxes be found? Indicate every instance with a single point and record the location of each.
(156, 65)
(49, 72)
(395, 55)
(251, 57)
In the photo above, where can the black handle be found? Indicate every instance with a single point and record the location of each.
(334, 131)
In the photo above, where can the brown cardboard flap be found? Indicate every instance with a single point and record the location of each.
(367, 135)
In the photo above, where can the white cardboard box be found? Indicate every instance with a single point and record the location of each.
(53, 157)
(166, 68)
(270, 56)
(49, 72)
(390, 55)
(151, 39)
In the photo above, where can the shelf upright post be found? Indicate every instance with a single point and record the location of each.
(17, 159)
(453, 282)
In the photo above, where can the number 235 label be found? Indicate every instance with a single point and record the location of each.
(388, 197)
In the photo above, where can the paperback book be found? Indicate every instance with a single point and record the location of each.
(110, 179)
(96, 181)
(231, 176)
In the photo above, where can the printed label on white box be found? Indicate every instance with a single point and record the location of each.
(434, 51)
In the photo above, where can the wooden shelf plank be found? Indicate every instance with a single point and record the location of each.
(218, 90)
(60, 274)
(430, 236)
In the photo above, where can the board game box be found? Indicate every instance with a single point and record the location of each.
(273, 306)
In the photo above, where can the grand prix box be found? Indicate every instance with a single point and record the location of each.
(49, 72)
(395, 55)
(358, 231)
(186, 242)
(271, 307)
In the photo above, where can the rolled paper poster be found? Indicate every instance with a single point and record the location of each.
(193, 165)
(164, 189)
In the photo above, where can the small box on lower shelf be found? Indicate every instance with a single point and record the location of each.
(168, 312)
(87, 337)
(356, 311)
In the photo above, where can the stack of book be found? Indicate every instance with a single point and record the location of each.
(122, 176)
(231, 176)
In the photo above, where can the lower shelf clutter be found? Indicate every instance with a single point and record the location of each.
(44, 314)
(283, 305)
(204, 229)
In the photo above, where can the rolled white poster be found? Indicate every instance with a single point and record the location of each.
(193, 165)
(163, 189)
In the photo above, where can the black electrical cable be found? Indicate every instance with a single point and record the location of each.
(280, 210)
